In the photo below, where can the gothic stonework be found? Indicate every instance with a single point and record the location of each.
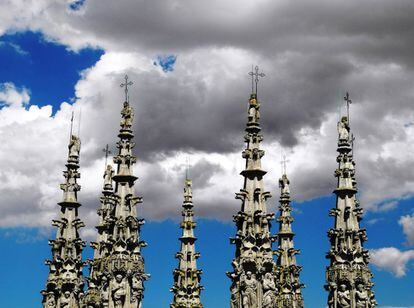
(187, 288)
(254, 269)
(348, 275)
(64, 286)
(117, 270)
(290, 294)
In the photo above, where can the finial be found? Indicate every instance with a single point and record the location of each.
(79, 123)
(255, 78)
(126, 84)
(71, 126)
(348, 102)
(187, 169)
(283, 164)
(107, 152)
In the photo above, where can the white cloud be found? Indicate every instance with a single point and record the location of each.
(407, 223)
(392, 260)
(13, 97)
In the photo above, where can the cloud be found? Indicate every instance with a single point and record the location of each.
(392, 260)
(12, 96)
(407, 223)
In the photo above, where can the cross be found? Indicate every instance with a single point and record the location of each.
(255, 78)
(187, 169)
(107, 152)
(348, 102)
(352, 142)
(71, 125)
(283, 163)
(126, 84)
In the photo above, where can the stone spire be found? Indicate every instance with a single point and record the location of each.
(117, 271)
(348, 275)
(187, 277)
(64, 286)
(254, 269)
(290, 295)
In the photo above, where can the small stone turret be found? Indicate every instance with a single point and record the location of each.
(348, 277)
(64, 286)
(187, 287)
(254, 269)
(290, 294)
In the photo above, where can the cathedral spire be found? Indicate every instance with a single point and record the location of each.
(119, 273)
(254, 269)
(64, 286)
(348, 275)
(187, 288)
(290, 295)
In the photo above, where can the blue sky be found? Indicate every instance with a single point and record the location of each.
(198, 84)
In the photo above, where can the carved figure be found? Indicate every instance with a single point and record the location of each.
(137, 286)
(284, 185)
(235, 298)
(65, 300)
(344, 297)
(74, 147)
(343, 130)
(105, 292)
(254, 114)
(109, 172)
(127, 116)
(119, 291)
(269, 290)
(361, 297)
(249, 285)
(50, 301)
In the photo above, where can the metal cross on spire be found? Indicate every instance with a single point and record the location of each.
(348, 102)
(187, 169)
(71, 126)
(126, 84)
(255, 78)
(107, 152)
(283, 163)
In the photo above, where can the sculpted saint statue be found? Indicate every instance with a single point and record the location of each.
(109, 172)
(127, 116)
(137, 287)
(254, 114)
(269, 290)
(249, 285)
(284, 184)
(361, 297)
(50, 301)
(66, 300)
(344, 297)
(234, 299)
(119, 291)
(74, 147)
(343, 130)
(105, 292)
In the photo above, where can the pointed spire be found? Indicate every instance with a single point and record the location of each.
(120, 276)
(187, 287)
(64, 286)
(290, 294)
(254, 269)
(349, 279)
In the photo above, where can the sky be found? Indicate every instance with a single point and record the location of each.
(189, 62)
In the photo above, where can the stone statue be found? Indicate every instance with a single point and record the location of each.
(344, 297)
(119, 291)
(234, 299)
(137, 287)
(127, 116)
(343, 130)
(105, 292)
(254, 114)
(109, 172)
(249, 286)
(361, 297)
(269, 291)
(284, 185)
(66, 300)
(74, 147)
(50, 301)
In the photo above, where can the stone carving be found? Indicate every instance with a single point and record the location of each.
(127, 116)
(65, 281)
(119, 291)
(187, 287)
(348, 275)
(109, 172)
(253, 240)
(269, 290)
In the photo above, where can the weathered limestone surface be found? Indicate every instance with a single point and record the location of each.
(117, 270)
(288, 283)
(254, 269)
(348, 275)
(64, 286)
(187, 287)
